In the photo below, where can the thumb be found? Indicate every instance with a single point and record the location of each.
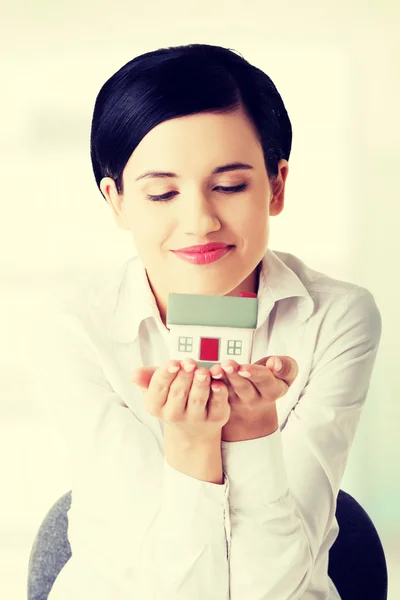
(283, 367)
(142, 376)
(274, 363)
(268, 361)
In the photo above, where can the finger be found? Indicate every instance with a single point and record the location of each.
(142, 376)
(242, 387)
(199, 394)
(264, 381)
(179, 389)
(289, 370)
(217, 373)
(159, 385)
(281, 380)
(218, 408)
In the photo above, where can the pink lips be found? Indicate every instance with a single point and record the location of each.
(203, 254)
(203, 247)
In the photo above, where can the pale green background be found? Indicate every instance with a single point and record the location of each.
(336, 64)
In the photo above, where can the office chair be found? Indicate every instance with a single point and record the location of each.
(357, 563)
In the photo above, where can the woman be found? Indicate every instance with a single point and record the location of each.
(224, 485)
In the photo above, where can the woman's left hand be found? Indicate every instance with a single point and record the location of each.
(253, 390)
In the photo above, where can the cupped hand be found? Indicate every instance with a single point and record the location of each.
(253, 388)
(185, 397)
(252, 393)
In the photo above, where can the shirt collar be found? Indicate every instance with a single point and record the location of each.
(131, 300)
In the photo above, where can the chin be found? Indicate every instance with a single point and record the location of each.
(209, 288)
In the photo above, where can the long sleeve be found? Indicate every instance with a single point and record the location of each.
(283, 487)
(138, 529)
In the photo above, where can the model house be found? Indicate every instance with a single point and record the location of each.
(211, 329)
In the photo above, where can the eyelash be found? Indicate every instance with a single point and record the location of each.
(227, 190)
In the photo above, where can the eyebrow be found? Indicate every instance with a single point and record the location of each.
(222, 169)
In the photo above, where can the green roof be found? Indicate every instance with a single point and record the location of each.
(216, 311)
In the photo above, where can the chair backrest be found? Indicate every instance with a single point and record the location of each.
(357, 564)
(50, 550)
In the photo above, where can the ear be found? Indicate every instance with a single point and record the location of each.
(278, 188)
(109, 189)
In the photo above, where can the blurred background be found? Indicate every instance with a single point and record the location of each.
(336, 65)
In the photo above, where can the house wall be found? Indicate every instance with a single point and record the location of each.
(224, 333)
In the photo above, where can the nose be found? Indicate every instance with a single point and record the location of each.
(198, 217)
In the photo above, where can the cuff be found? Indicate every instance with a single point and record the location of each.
(187, 501)
(256, 471)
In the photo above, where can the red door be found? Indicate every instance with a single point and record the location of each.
(209, 348)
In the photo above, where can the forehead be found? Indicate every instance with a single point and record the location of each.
(195, 144)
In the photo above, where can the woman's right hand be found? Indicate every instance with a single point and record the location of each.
(191, 406)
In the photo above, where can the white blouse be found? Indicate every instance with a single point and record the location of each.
(139, 529)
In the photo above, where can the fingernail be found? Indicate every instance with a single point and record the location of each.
(216, 388)
(188, 367)
(173, 369)
(227, 368)
(218, 376)
(200, 376)
(244, 373)
(277, 365)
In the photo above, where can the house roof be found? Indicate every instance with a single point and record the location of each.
(217, 311)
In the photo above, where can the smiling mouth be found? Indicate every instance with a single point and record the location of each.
(203, 258)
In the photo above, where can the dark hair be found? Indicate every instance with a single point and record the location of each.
(181, 80)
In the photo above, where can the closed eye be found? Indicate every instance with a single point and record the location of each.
(226, 190)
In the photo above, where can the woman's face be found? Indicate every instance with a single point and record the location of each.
(197, 208)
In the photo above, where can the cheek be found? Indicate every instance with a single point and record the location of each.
(253, 220)
(149, 228)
